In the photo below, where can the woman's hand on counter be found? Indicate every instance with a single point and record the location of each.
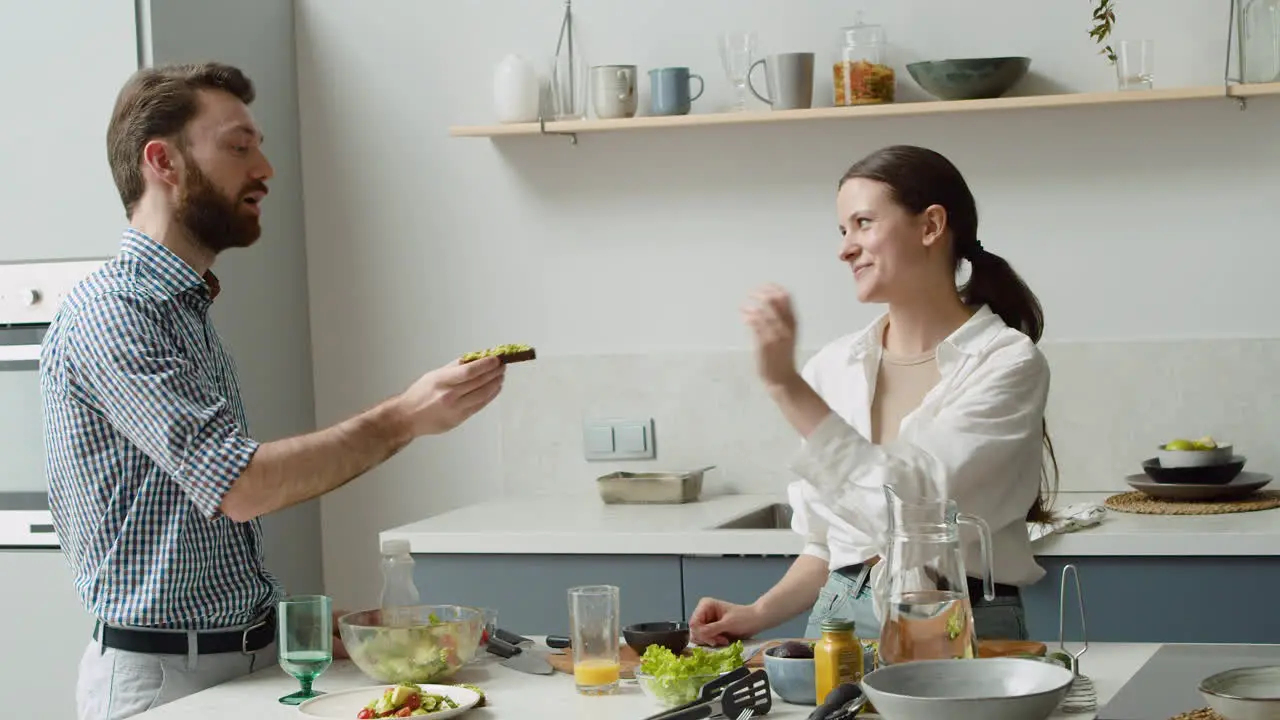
(716, 622)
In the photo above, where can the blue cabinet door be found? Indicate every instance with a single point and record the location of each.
(1160, 599)
(530, 592)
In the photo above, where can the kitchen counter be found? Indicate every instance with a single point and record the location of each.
(513, 694)
(583, 525)
(665, 558)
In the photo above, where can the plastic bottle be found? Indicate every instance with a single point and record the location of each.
(398, 589)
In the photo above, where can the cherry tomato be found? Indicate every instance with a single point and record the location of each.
(404, 712)
(413, 702)
(364, 714)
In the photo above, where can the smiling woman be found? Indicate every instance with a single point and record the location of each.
(943, 396)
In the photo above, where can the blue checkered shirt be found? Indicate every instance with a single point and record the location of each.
(145, 432)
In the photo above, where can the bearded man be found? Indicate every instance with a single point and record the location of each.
(155, 484)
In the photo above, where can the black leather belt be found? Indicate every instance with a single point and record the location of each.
(174, 642)
(976, 592)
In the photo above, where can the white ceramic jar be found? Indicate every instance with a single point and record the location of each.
(516, 90)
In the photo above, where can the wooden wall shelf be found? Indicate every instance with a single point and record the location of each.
(936, 107)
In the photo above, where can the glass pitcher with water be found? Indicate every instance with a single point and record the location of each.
(924, 592)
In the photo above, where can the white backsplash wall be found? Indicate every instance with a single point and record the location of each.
(1110, 404)
(1130, 222)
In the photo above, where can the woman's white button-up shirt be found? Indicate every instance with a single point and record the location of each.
(975, 439)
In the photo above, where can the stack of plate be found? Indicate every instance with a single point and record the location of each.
(1216, 474)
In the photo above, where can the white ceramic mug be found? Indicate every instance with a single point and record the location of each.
(613, 91)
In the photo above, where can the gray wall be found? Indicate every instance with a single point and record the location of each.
(262, 312)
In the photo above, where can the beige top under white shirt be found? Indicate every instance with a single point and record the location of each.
(902, 381)
(975, 437)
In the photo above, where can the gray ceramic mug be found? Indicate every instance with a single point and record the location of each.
(788, 78)
(613, 91)
(670, 92)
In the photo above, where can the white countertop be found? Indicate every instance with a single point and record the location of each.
(513, 694)
(583, 525)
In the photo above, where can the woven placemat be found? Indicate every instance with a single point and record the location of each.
(1201, 714)
(1143, 504)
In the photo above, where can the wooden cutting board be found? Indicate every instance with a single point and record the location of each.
(630, 660)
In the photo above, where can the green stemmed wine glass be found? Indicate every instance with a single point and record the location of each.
(305, 641)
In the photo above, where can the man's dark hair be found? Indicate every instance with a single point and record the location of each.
(158, 102)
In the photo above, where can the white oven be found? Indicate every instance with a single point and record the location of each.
(30, 293)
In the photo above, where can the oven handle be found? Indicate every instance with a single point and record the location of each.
(11, 353)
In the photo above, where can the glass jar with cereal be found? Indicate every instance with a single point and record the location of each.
(861, 77)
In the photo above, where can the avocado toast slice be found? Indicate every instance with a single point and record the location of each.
(506, 353)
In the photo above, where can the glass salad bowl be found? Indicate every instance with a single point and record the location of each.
(420, 644)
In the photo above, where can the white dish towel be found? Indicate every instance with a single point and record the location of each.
(1068, 519)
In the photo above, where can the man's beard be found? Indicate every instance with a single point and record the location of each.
(215, 221)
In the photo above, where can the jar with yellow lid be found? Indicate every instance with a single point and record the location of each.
(837, 657)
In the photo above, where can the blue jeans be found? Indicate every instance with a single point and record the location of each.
(1000, 619)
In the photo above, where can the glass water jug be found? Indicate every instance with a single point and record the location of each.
(925, 608)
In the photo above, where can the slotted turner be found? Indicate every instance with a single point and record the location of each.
(746, 697)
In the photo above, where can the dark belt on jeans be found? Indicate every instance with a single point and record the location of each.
(976, 592)
(258, 635)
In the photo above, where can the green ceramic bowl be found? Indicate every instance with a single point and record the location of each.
(969, 78)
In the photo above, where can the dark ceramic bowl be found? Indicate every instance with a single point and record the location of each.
(969, 78)
(1208, 475)
(673, 636)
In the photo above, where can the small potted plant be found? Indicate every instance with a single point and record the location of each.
(1104, 17)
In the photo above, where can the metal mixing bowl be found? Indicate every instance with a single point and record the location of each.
(979, 689)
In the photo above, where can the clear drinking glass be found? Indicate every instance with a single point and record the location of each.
(737, 52)
(594, 634)
(1135, 64)
(568, 95)
(304, 641)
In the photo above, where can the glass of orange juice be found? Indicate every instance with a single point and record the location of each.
(595, 632)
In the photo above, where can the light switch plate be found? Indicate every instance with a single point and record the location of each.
(630, 439)
(598, 440)
(618, 439)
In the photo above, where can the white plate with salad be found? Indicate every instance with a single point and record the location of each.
(392, 701)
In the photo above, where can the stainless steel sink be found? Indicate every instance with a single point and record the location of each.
(770, 517)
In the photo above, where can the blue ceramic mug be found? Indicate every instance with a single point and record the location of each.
(670, 91)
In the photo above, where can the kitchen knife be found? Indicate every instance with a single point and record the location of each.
(510, 638)
(554, 646)
(526, 661)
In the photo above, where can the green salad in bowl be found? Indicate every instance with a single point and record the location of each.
(673, 680)
(423, 644)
